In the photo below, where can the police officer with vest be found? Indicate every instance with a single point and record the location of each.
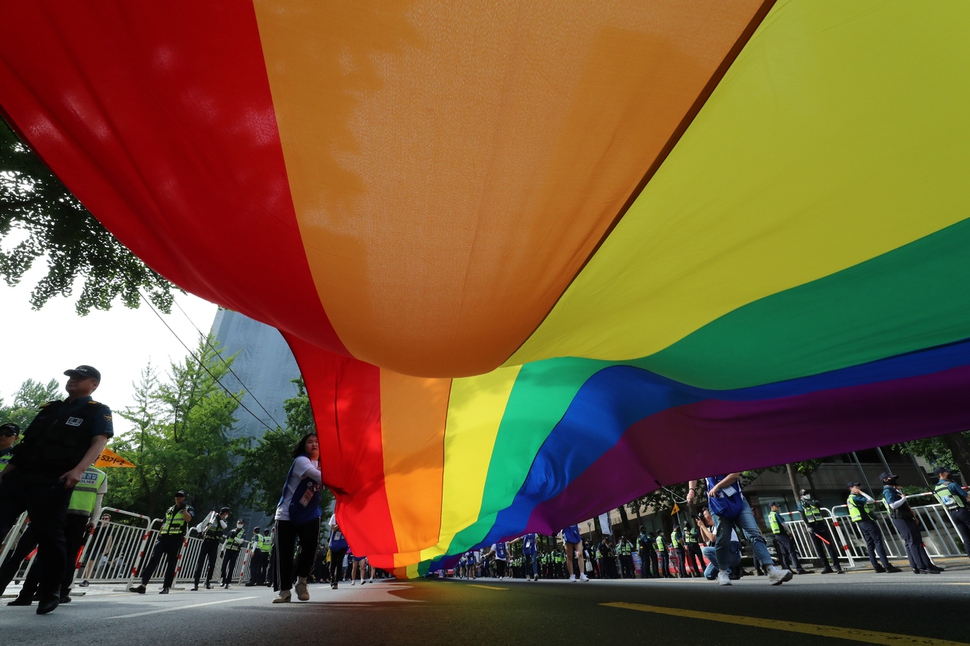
(811, 511)
(258, 559)
(216, 524)
(783, 540)
(957, 503)
(85, 504)
(677, 544)
(625, 549)
(862, 508)
(662, 556)
(169, 543)
(234, 540)
(693, 540)
(63, 440)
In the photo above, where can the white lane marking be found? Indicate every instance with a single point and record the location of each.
(194, 605)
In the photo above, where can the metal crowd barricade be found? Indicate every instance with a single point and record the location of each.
(940, 535)
(110, 551)
(13, 536)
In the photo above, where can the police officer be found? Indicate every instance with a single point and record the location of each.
(85, 504)
(783, 540)
(644, 548)
(861, 512)
(257, 564)
(169, 543)
(216, 524)
(677, 544)
(662, 556)
(62, 441)
(625, 548)
(692, 539)
(905, 521)
(9, 434)
(811, 511)
(957, 504)
(234, 541)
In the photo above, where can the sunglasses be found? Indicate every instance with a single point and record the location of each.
(9, 434)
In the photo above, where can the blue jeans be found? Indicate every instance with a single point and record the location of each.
(746, 523)
(713, 565)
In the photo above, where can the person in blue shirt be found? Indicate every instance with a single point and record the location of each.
(957, 504)
(905, 523)
(573, 542)
(732, 511)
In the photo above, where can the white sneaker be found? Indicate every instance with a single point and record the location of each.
(283, 598)
(777, 575)
(301, 591)
(723, 578)
(354, 582)
(572, 577)
(583, 577)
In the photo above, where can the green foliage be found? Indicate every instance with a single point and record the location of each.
(949, 450)
(56, 224)
(27, 400)
(182, 439)
(266, 462)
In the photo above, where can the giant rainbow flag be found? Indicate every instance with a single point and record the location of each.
(534, 257)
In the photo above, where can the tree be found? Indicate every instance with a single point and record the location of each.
(36, 204)
(182, 438)
(951, 450)
(27, 401)
(266, 462)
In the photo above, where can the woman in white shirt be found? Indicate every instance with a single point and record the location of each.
(298, 515)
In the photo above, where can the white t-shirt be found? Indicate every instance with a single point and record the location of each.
(302, 467)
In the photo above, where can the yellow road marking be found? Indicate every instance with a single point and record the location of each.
(868, 636)
(487, 587)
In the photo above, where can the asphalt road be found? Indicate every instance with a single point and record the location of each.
(858, 607)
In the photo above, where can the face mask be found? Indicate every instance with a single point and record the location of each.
(806, 497)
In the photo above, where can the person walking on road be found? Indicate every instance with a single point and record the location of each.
(298, 517)
(62, 441)
(171, 537)
(862, 512)
(811, 511)
(573, 544)
(957, 504)
(728, 505)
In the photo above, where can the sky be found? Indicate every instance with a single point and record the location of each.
(120, 342)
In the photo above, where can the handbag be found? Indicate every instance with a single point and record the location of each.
(305, 504)
(725, 504)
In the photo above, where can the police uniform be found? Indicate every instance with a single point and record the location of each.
(861, 510)
(84, 505)
(209, 549)
(905, 522)
(692, 539)
(54, 443)
(625, 549)
(783, 541)
(171, 537)
(645, 549)
(662, 556)
(811, 511)
(677, 543)
(957, 505)
(232, 546)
